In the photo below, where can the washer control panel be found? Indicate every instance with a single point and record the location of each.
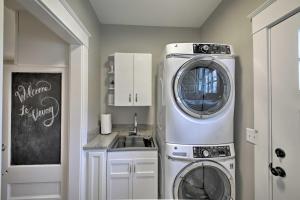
(211, 151)
(211, 49)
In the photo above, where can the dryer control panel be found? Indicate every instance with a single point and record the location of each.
(211, 49)
(211, 151)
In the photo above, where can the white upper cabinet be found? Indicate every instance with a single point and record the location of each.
(124, 79)
(133, 79)
(142, 79)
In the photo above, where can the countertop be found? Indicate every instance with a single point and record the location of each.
(103, 142)
(100, 142)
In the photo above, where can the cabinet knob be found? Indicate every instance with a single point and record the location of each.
(136, 97)
(129, 97)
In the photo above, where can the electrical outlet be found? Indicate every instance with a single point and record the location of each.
(251, 135)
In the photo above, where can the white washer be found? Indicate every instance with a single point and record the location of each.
(196, 92)
(199, 172)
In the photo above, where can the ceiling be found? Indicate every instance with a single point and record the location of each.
(165, 13)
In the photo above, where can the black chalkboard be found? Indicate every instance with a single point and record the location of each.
(36, 118)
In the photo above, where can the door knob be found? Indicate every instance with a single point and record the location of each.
(3, 147)
(277, 171)
(279, 153)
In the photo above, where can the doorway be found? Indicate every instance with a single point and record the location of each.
(277, 101)
(61, 19)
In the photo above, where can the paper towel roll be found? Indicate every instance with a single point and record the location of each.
(105, 123)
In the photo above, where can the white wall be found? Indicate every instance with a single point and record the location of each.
(115, 38)
(29, 42)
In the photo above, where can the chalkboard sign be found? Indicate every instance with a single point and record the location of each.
(36, 118)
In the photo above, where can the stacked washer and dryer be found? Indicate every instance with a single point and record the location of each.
(196, 92)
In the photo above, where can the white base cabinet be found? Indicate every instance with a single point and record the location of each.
(132, 175)
(96, 175)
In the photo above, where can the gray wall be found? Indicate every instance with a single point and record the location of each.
(228, 24)
(37, 45)
(84, 11)
(138, 39)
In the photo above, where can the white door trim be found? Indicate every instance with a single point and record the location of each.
(274, 13)
(261, 24)
(55, 15)
(60, 18)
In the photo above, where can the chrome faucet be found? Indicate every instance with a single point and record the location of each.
(135, 129)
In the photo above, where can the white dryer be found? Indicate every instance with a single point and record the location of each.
(196, 92)
(199, 172)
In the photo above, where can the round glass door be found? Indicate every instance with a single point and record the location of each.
(202, 87)
(202, 182)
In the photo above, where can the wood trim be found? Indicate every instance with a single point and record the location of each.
(261, 87)
(1, 76)
(274, 13)
(260, 8)
(73, 14)
(35, 65)
(78, 121)
(59, 19)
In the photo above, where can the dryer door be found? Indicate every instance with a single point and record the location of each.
(202, 87)
(204, 180)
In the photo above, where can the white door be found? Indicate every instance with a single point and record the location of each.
(142, 79)
(123, 79)
(119, 179)
(34, 133)
(145, 182)
(285, 117)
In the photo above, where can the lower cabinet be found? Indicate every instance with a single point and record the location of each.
(132, 175)
(96, 176)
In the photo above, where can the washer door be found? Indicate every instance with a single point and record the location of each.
(203, 180)
(202, 87)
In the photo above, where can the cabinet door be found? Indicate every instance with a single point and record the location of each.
(123, 79)
(142, 79)
(119, 180)
(96, 175)
(145, 182)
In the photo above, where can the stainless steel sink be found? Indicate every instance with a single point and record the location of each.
(132, 142)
